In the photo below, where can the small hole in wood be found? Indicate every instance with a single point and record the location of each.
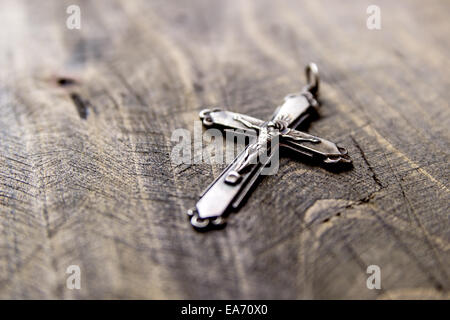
(64, 82)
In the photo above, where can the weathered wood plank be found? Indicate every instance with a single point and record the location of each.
(86, 176)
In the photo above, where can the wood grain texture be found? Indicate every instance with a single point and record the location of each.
(85, 127)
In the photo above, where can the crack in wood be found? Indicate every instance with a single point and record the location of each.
(80, 105)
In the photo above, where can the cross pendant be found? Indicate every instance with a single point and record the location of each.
(228, 191)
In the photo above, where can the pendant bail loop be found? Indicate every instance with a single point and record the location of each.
(312, 78)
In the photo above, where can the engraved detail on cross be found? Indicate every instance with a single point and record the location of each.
(226, 192)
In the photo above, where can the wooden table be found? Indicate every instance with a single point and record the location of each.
(85, 141)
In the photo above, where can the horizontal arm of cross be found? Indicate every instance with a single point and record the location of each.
(301, 142)
(229, 120)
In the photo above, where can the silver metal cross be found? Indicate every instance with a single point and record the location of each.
(228, 191)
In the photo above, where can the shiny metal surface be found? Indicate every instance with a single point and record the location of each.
(230, 188)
